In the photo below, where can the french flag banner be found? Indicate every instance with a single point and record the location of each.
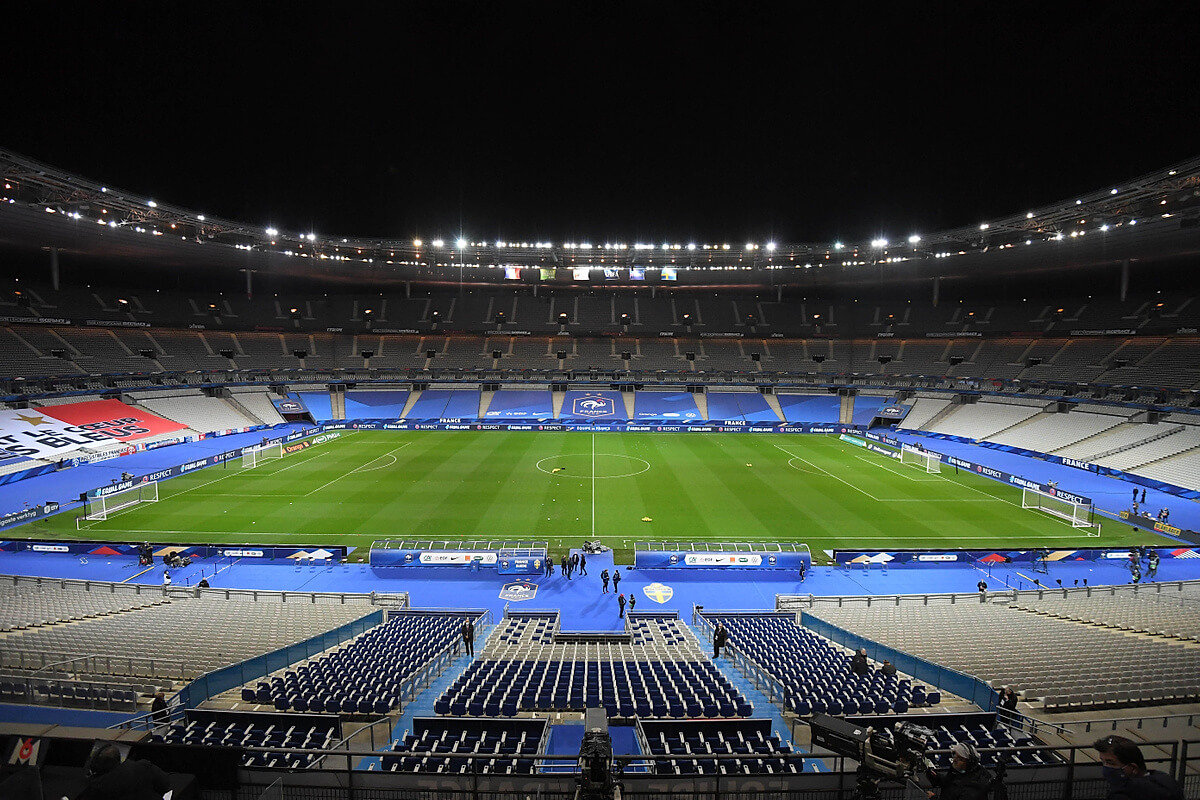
(54, 431)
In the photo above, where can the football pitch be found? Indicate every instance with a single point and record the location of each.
(567, 487)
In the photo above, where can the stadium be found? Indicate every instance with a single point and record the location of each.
(590, 515)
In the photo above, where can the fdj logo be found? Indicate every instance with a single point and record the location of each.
(594, 405)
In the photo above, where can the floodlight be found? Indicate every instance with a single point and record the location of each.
(691, 246)
(200, 217)
(438, 243)
(152, 204)
(462, 243)
(417, 243)
(771, 246)
(272, 232)
(984, 227)
(914, 239)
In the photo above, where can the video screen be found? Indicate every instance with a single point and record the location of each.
(612, 274)
(581, 273)
(668, 274)
(512, 273)
(637, 273)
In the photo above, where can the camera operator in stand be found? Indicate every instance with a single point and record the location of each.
(966, 778)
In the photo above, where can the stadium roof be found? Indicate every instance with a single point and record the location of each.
(1153, 217)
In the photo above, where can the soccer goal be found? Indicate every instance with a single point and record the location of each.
(1080, 515)
(104, 506)
(932, 462)
(252, 457)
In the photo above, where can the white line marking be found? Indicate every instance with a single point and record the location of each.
(356, 469)
(877, 463)
(593, 485)
(831, 475)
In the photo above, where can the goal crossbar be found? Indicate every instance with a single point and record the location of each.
(253, 456)
(102, 507)
(1080, 515)
(932, 462)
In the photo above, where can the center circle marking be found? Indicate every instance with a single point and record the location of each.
(554, 461)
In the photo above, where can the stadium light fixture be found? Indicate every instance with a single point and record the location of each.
(438, 243)
(462, 243)
(914, 239)
(984, 226)
(272, 232)
(152, 204)
(771, 246)
(691, 246)
(200, 217)
(879, 243)
(417, 243)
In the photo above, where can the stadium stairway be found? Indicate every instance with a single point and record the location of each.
(422, 704)
(763, 707)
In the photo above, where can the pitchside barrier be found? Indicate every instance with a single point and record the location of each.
(505, 557)
(721, 555)
(988, 558)
(333, 553)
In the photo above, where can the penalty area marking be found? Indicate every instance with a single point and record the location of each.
(361, 468)
(593, 476)
(876, 463)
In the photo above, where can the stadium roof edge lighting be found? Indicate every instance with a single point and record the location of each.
(1150, 198)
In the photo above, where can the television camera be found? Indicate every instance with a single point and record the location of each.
(597, 778)
(898, 754)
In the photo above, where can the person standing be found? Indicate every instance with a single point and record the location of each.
(621, 606)
(563, 566)
(982, 587)
(1135, 494)
(604, 581)
(1008, 699)
(549, 566)
(1152, 565)
(468, 636)
(859, 664)
(632, 601)
(616, 580)
(574, 563)
(1143, 496)
(158, 709)
(720, 639)
(583, 563)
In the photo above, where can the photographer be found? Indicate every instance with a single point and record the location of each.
(966, 779)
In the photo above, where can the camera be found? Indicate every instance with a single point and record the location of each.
(897, 754)
(596, 779)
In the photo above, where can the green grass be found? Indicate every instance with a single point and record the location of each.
(502, 485)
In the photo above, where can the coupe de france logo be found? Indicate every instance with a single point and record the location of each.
(594, 406)
(658, 592)
(522, 590)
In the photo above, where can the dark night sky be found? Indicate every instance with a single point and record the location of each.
(608, 120)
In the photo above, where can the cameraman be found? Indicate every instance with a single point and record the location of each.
(966, 779)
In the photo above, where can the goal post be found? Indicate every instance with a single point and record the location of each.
(1080, 515)
(253, 456)
(102, 507)
(932, 462)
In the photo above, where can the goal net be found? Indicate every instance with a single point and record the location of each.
(104, 506)
(932, 462)
(251, 458)
(1078, 514)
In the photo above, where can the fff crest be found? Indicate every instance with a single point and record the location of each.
(593, 405)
